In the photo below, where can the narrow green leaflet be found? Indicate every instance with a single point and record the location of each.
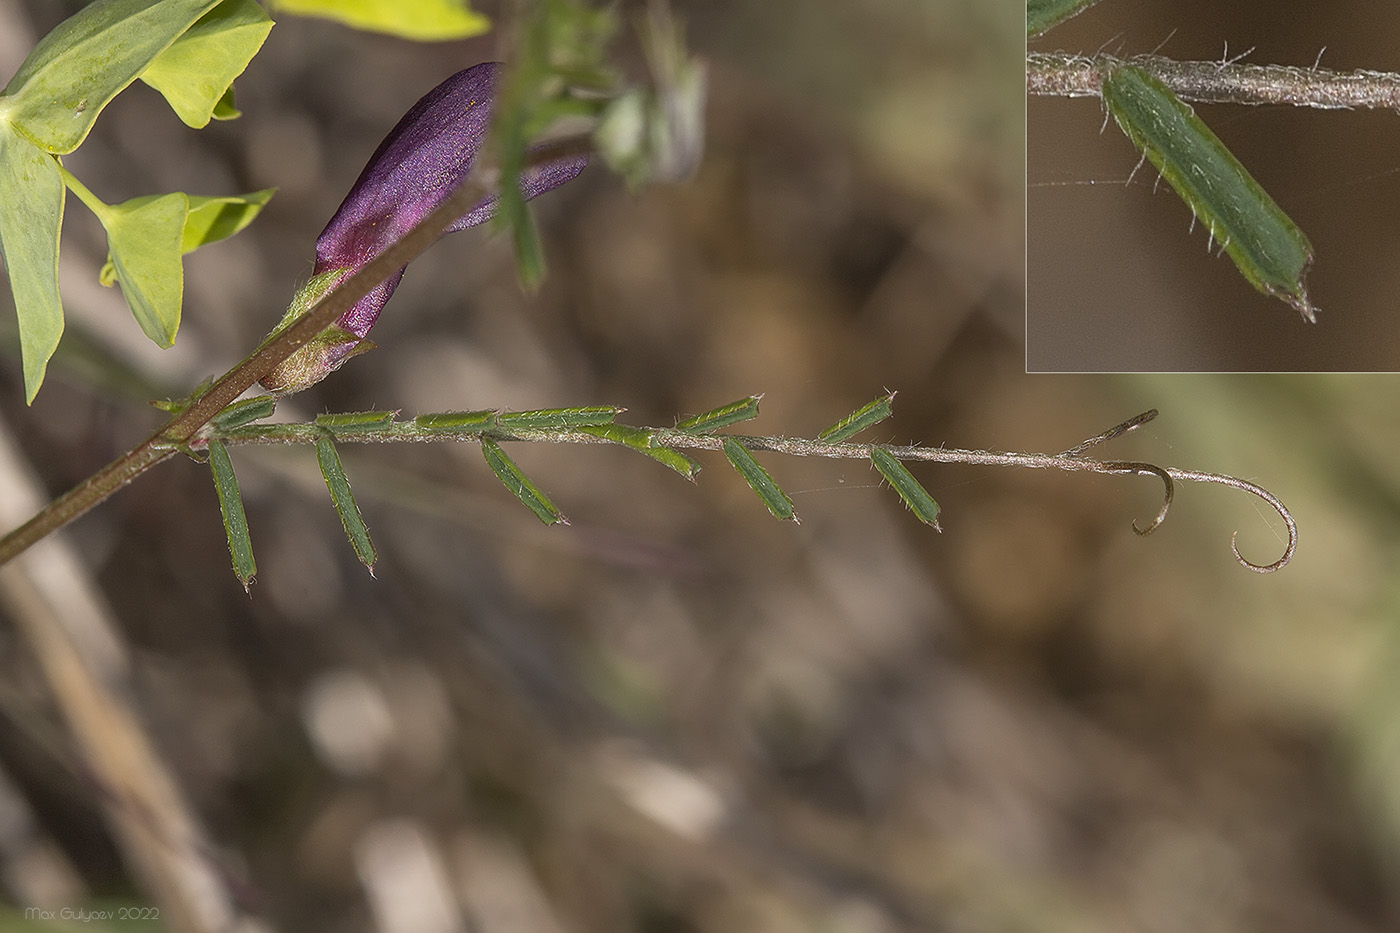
(458, 422)
(1269, 249)
(355, 422)
(216, 218)
(355, 528)
(721, 417)
(31, 213)
(640, 440)
(519, 484)
(558, 417)
(860, 419)
(904, 483)
(530, 267)
(1043, 15)
(87, 60)
(196, 73)
(240, 546)
(424, 20)
(559, 47)
(245, 412)
(759, 480)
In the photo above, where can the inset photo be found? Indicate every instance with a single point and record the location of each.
(1211, 187)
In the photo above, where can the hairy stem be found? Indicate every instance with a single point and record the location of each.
(187, 424)
(1071, 460)
(1060, 74)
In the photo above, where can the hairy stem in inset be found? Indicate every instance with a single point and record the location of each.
(1060, 74)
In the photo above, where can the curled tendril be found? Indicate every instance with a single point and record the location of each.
(1262, 493)
(1074, 459)
(1169, 489)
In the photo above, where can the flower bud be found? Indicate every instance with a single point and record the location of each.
(414, 170)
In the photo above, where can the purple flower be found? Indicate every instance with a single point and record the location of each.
(414, 170)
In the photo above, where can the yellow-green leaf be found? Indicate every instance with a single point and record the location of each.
(212, 218)
(195, 74)
(31, 213)
(143, 243)
(86, 60)
(423, 20)
(225, 109)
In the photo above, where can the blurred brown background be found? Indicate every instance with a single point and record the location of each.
(1117, 283)
(678, 714)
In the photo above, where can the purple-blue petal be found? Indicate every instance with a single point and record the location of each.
(417, 167)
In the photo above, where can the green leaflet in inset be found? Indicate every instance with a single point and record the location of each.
(1043, 15)
(195, 74)
(85, 61)
(31, 214)
(424, 20)
(1269, 249)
